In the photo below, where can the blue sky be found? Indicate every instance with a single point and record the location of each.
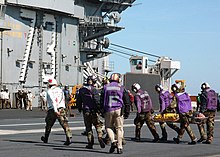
(184, 30)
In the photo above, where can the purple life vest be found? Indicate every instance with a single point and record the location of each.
(184, 102)
(113, 96)
(165, 100)
(212, 100)
(146, 103)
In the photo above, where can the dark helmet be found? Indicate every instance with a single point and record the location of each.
(91, 80)
(205, 86)
(158, 88)
(175, 87)
(66, 86)
(115, 77)
(135, 87)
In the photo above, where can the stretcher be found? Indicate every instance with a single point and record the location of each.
(174, 117)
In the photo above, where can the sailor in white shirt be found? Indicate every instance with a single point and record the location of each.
(56, 110)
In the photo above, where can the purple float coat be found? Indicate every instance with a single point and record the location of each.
(212, 99)
(143, 101)
(183, 102)
(165, 99)
(113, 96)
(86, 98)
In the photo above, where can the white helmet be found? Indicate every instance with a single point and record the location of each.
(175, 87)
(52, 81)
(135, 87)
(205, 85)
(158, 87)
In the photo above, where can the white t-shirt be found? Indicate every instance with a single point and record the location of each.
(55, 98)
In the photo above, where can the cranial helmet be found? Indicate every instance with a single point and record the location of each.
(175, 87)
(91, 80)
(52, 81)
(115, 77)
(135, 87)
(205, 86)
(158, 88)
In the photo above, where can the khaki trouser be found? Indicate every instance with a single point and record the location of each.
(210, 126)
(114, 119)
(139, 121)
(184, 125)
(29, 106)
(63, 120)
(89, 120)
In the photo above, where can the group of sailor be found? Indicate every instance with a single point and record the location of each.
(113, 103)
(24, 99)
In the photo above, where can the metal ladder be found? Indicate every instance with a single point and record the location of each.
(51, 46)
(31, 15)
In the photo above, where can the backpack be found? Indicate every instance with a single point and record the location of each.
(212, 100)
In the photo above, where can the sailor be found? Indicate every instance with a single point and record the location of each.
(88, 102)
(165, 99)
(116, 107)
(182, 102)
(7, 99)
(56, 110)
(43, 97)
(19, 99)
(144, 107)
(25, 98)
(30, 97)
(208, 106)
(67, 96)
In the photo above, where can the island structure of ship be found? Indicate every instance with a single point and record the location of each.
(61, 39)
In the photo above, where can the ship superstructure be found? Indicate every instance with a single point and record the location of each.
(65, 39)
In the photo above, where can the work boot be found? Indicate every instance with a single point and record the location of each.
(101, 142)
(192, 143)
(119, 151)
(137, 139)
(113, 147)
(163, 139)
(155, 140)
(176, 140)
(68, 141)
(89, 146)
(44, 139)
(207, 142)
(201, 140)
(84, 133)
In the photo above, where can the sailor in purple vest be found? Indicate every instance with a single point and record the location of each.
(144, 107)
(208, 106)
(165, 99)
(88, 101)
(183, 106)
(115, 109)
